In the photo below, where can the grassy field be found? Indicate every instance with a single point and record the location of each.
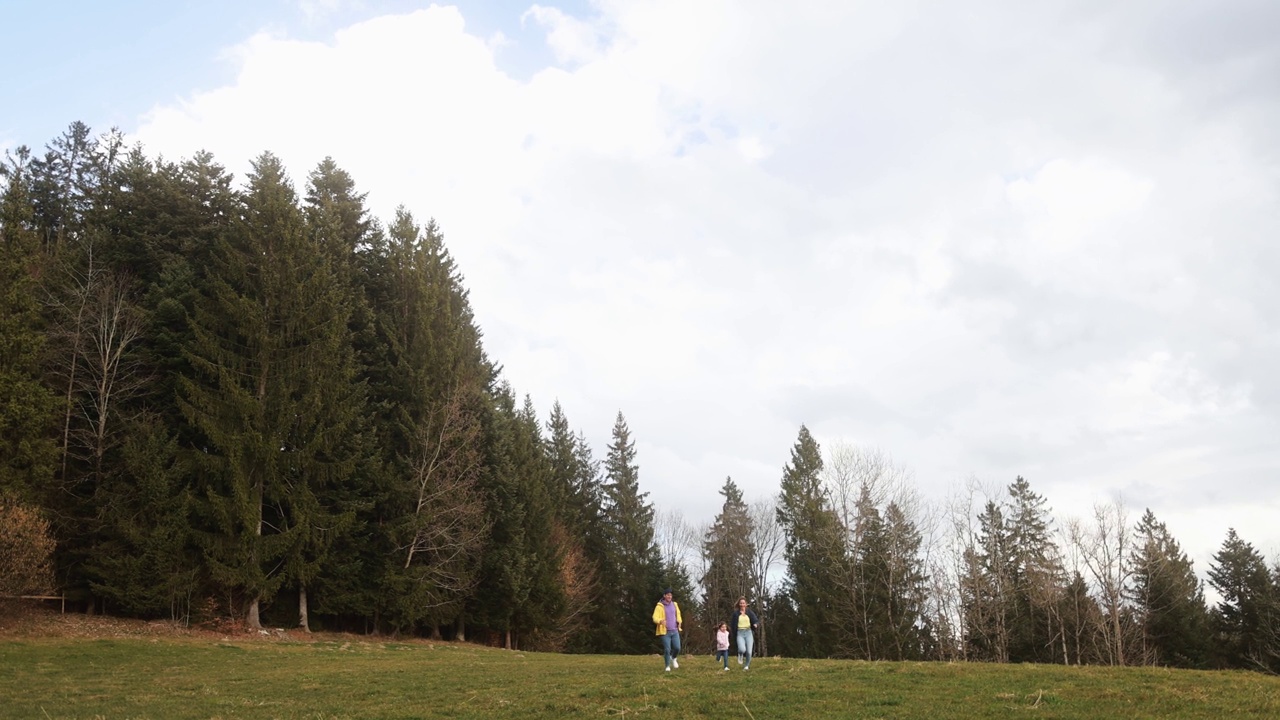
(206, 678)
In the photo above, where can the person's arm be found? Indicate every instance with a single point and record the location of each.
(679, 621)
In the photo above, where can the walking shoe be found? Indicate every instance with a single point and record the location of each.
(726, 668)
(675, 663)
(668, 669)
(739, 658)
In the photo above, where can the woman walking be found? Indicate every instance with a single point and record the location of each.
(746, 621)
(667, 620)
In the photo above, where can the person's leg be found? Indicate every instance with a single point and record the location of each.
(742, 644)
(751, 644)
(675, 648)
(666, 649)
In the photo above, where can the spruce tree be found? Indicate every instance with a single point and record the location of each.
(1033, 574)
(728, 556)
(633, 576)
(273, 396)
(1167, 598)
(27, 406)
(434, 416)
(147, 563)
(1240, 620)
(575, 493)
(986, 588)
(904, 579)
(814, 553)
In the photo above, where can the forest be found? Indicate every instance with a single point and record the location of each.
(242, 402)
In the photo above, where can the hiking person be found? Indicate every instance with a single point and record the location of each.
(746, 621)
(666, 616)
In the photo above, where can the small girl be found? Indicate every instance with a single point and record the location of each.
(722, 644)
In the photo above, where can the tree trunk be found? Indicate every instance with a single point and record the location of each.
(302, 609)
(251, 617)
(507, 641)
(461, 636)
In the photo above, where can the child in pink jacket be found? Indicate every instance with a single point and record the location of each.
(722, 644)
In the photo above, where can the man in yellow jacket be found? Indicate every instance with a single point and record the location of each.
(666, 616)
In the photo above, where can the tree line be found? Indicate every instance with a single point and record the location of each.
(241, 401)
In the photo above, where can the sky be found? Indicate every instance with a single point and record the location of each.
(988, 239)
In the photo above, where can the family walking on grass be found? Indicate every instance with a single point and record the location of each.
(666, 617)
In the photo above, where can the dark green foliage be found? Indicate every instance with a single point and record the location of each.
(295, 403)
(1012, 582)
(1243, 620)
(146, 563)
(893, 593)
(274, 395)
(728, 555)
(633, 569)
(27, 406)
(1034, 575)
(814, 552)
(1167, 598)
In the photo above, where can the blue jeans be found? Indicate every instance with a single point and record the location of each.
(670, 646)
(746, 643)
(723, 654)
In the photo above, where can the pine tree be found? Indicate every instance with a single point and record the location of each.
(574, 491)
(1033, 574)
(273, 397)
(903, 578)
(1242, 579)
(815, 559)
(1167, 598)
(429, 384)
(27, 406)
(146, 563)
(516, 592)
(986, 588)
(633, 574)
(728, 556)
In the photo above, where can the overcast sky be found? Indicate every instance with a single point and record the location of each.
(989, 238)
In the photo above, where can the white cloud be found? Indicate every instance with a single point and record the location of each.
(991, 239)
(572, 40)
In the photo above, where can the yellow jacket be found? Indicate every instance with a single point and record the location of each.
(660, 618)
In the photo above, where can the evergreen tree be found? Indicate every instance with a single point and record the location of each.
(435, 421)
(274, 397)
(1240, 621)
(1167, 598)
(728, 556)
(575, 492)
(633, 574)
(1033, 574)
(516, 595)
(27, 406)
(147, 563)
(986, 587)
(814, 555)
(905, 635)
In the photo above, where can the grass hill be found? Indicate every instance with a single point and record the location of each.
(78, 667)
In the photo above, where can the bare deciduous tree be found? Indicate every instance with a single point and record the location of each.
(1104, 548)
(767, 543)
(678, 540)
(448, 524)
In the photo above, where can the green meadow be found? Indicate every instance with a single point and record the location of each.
(360, 678)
